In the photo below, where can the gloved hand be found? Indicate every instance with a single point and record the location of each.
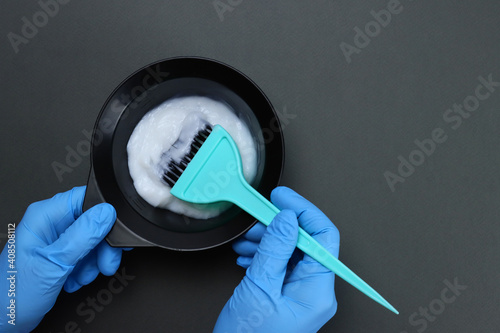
(271, 298)
(55, 245)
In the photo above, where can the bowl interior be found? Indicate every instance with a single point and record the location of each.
(134, 112)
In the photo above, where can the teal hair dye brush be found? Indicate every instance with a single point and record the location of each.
(212, 172)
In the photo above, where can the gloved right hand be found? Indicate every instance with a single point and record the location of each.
(270, 299)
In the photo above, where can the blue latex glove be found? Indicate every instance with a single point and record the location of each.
(55, 246)
(281, 293)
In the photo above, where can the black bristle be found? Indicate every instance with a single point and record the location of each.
(195, 147)
(170, 178)
(175, 169)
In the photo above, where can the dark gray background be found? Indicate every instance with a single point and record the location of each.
(352, 122)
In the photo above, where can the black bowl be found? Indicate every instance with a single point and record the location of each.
(140, 224)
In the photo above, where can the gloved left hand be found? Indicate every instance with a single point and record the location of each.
(55, 246)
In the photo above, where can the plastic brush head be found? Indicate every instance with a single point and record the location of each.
(213, 173)
(175, 169)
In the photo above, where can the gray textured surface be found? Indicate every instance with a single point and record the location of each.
(352, 122)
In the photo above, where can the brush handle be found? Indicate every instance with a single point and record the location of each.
(263, 210)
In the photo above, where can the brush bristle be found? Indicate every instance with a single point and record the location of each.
(175, 169)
